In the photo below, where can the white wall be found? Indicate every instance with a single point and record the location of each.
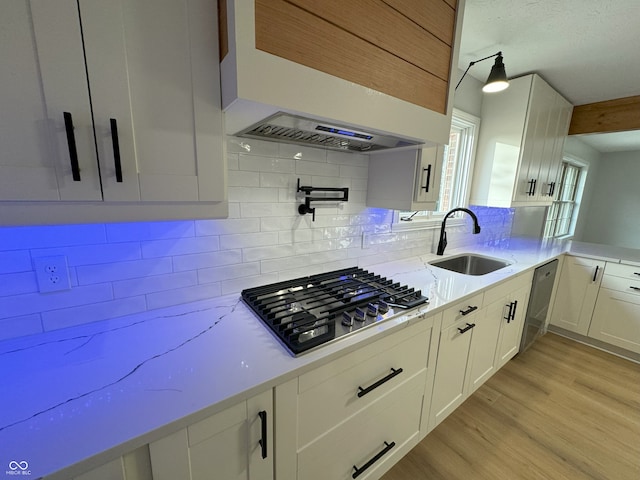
(120, 269)
(612, 216)
(468, 97)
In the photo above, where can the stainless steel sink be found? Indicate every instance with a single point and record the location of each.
(470, 264)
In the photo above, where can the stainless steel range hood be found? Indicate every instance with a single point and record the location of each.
(288, 128)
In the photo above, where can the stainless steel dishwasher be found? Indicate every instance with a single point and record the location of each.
(538, 307)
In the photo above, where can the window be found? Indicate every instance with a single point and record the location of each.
(563, 212)
(457, 167)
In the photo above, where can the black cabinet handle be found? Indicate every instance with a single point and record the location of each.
(513, 313)
(467, 328)
(595, 274)
(71, 142)
(508, 317)
(635, 288)
(552, 189)
(363, 391)
(532, 187)
(116, 149)
(468, 310)
(636, 273)
(263, 440)
(378, 456)
(426, 185)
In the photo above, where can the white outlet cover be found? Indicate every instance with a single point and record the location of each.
(52, 273)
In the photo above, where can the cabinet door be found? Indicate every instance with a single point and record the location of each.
(512, 325)
(427, 188)
(152, 70)
(576, 295)
(616, 319)
(43, 76)
(482, 363)
(226, 445)
(563, 110)
(451, 369)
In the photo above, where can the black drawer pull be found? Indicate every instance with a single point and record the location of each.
(263, 440)
(595, 274)
(636, 273)
(468, 310)
(71, 142)
(508, 317)
(363, 391)
(635, 288)
(378, 456)
(116, 149)
(426, 185)
(467, 328)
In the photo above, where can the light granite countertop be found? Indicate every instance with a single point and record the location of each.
(76, 398)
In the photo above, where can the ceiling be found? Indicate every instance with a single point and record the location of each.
(586, 49)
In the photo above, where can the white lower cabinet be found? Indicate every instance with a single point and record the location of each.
(453, 367)
(359, 414)
(577, 292)
(134, 465)
(616, 317)
(234, 444)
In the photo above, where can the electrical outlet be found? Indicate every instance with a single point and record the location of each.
(52, 273)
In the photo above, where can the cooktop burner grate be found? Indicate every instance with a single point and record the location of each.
(306, 312)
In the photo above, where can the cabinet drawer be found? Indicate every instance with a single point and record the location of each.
(394, 418)
(620, 284)
(500, 291)
(623, 271)
(458, 311)
(335, 391)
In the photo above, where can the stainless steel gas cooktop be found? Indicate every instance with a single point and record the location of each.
(309, 311)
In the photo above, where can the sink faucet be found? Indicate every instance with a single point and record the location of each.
(442, 244)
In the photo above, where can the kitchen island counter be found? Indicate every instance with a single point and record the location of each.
(79, 397)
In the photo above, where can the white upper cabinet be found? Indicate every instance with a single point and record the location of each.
(377, 66)
(520, 145)
(111, 102)
(405, 179)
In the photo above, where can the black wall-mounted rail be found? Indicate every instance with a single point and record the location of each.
(306, 206)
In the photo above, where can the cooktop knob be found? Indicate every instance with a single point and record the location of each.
(360, 315)
(383, 307)
(347, 320)
(372, 310)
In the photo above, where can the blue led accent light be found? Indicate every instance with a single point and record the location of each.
(346, 133)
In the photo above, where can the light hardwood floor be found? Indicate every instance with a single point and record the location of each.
(561, 410)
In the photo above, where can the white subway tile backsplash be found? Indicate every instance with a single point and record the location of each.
(20, 326)
(30, 303)
(253, 194)
(240, 178)
(93, 254)
(14, 261)
(182, 295)
(18, 283)
(132, 232)
(203, 260)
(299, 152)
(20, 238)
(353, 171)
(166, 248)
(317, 168)
(69, 317)
(246, 240)
(154, 283)
(225, 272)
(124, 268)
(227, 226)
(266, 164)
